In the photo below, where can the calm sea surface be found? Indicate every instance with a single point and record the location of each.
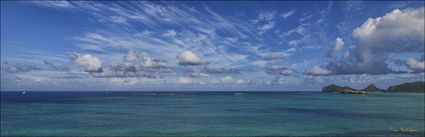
(210, 114)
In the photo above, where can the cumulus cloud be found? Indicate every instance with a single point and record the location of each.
(221, 70)
(184, 80)
(226, 78)
(259, 62)
(317, 70)
(240, 81)
(56, 65)
(396, 32)
(189, 58)
(415, 65)
(274, 56)
(143, 59)
(125, 81)
(88, 62)
(279, 70)
(339, 45)
(393, 26)
(31, 79)
(199, 75)
(231, 80)
(15, 68)
(135, 61)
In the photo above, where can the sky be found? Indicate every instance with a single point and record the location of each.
(209, 45)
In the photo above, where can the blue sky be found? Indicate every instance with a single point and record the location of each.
(215, 45)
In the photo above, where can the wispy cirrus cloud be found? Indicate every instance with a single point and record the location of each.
(143, 43)
(288, 13)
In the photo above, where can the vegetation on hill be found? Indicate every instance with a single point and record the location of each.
(372, 87)
(344, 90)
(409, 87)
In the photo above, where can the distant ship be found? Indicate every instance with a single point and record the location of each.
(23, 93)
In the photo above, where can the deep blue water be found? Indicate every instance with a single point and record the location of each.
(210, 114)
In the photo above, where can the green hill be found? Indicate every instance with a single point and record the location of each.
(335, 88)
(409, 87)
(344, 90)
(372, 88)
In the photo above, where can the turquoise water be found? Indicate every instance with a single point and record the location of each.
(210, 114)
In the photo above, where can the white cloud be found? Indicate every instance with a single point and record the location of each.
(415, 65)
(306, 17)
(339, 44)
(399, 31)
(184, 80)
(279, 70)
(118, 19)
(88, 62)
(267, 15)
(259, 62)
(316, 70)
(226, 78)
(300, 29)
(54, 4)
(125, 81)
(91, 47)
(135, 61)
(287, 14)
(199, 75)
(170, 33)
(294, 42)
(202, 27)
(240, 81)
(189, 58)
(33, 78)
(393, 26)
(231, 80)
(266, 26)
(274, 56)
(287, 72)
(221, 70)
(145, 60)
(146, 32)
(291, 50)
(265, 21)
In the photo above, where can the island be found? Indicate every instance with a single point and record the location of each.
(409, 87)
(344, 90)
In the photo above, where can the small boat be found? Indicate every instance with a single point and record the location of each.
(23, 92)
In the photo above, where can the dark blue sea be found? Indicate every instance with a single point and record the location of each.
(211, 114)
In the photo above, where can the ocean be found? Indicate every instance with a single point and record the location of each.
(211, 114)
